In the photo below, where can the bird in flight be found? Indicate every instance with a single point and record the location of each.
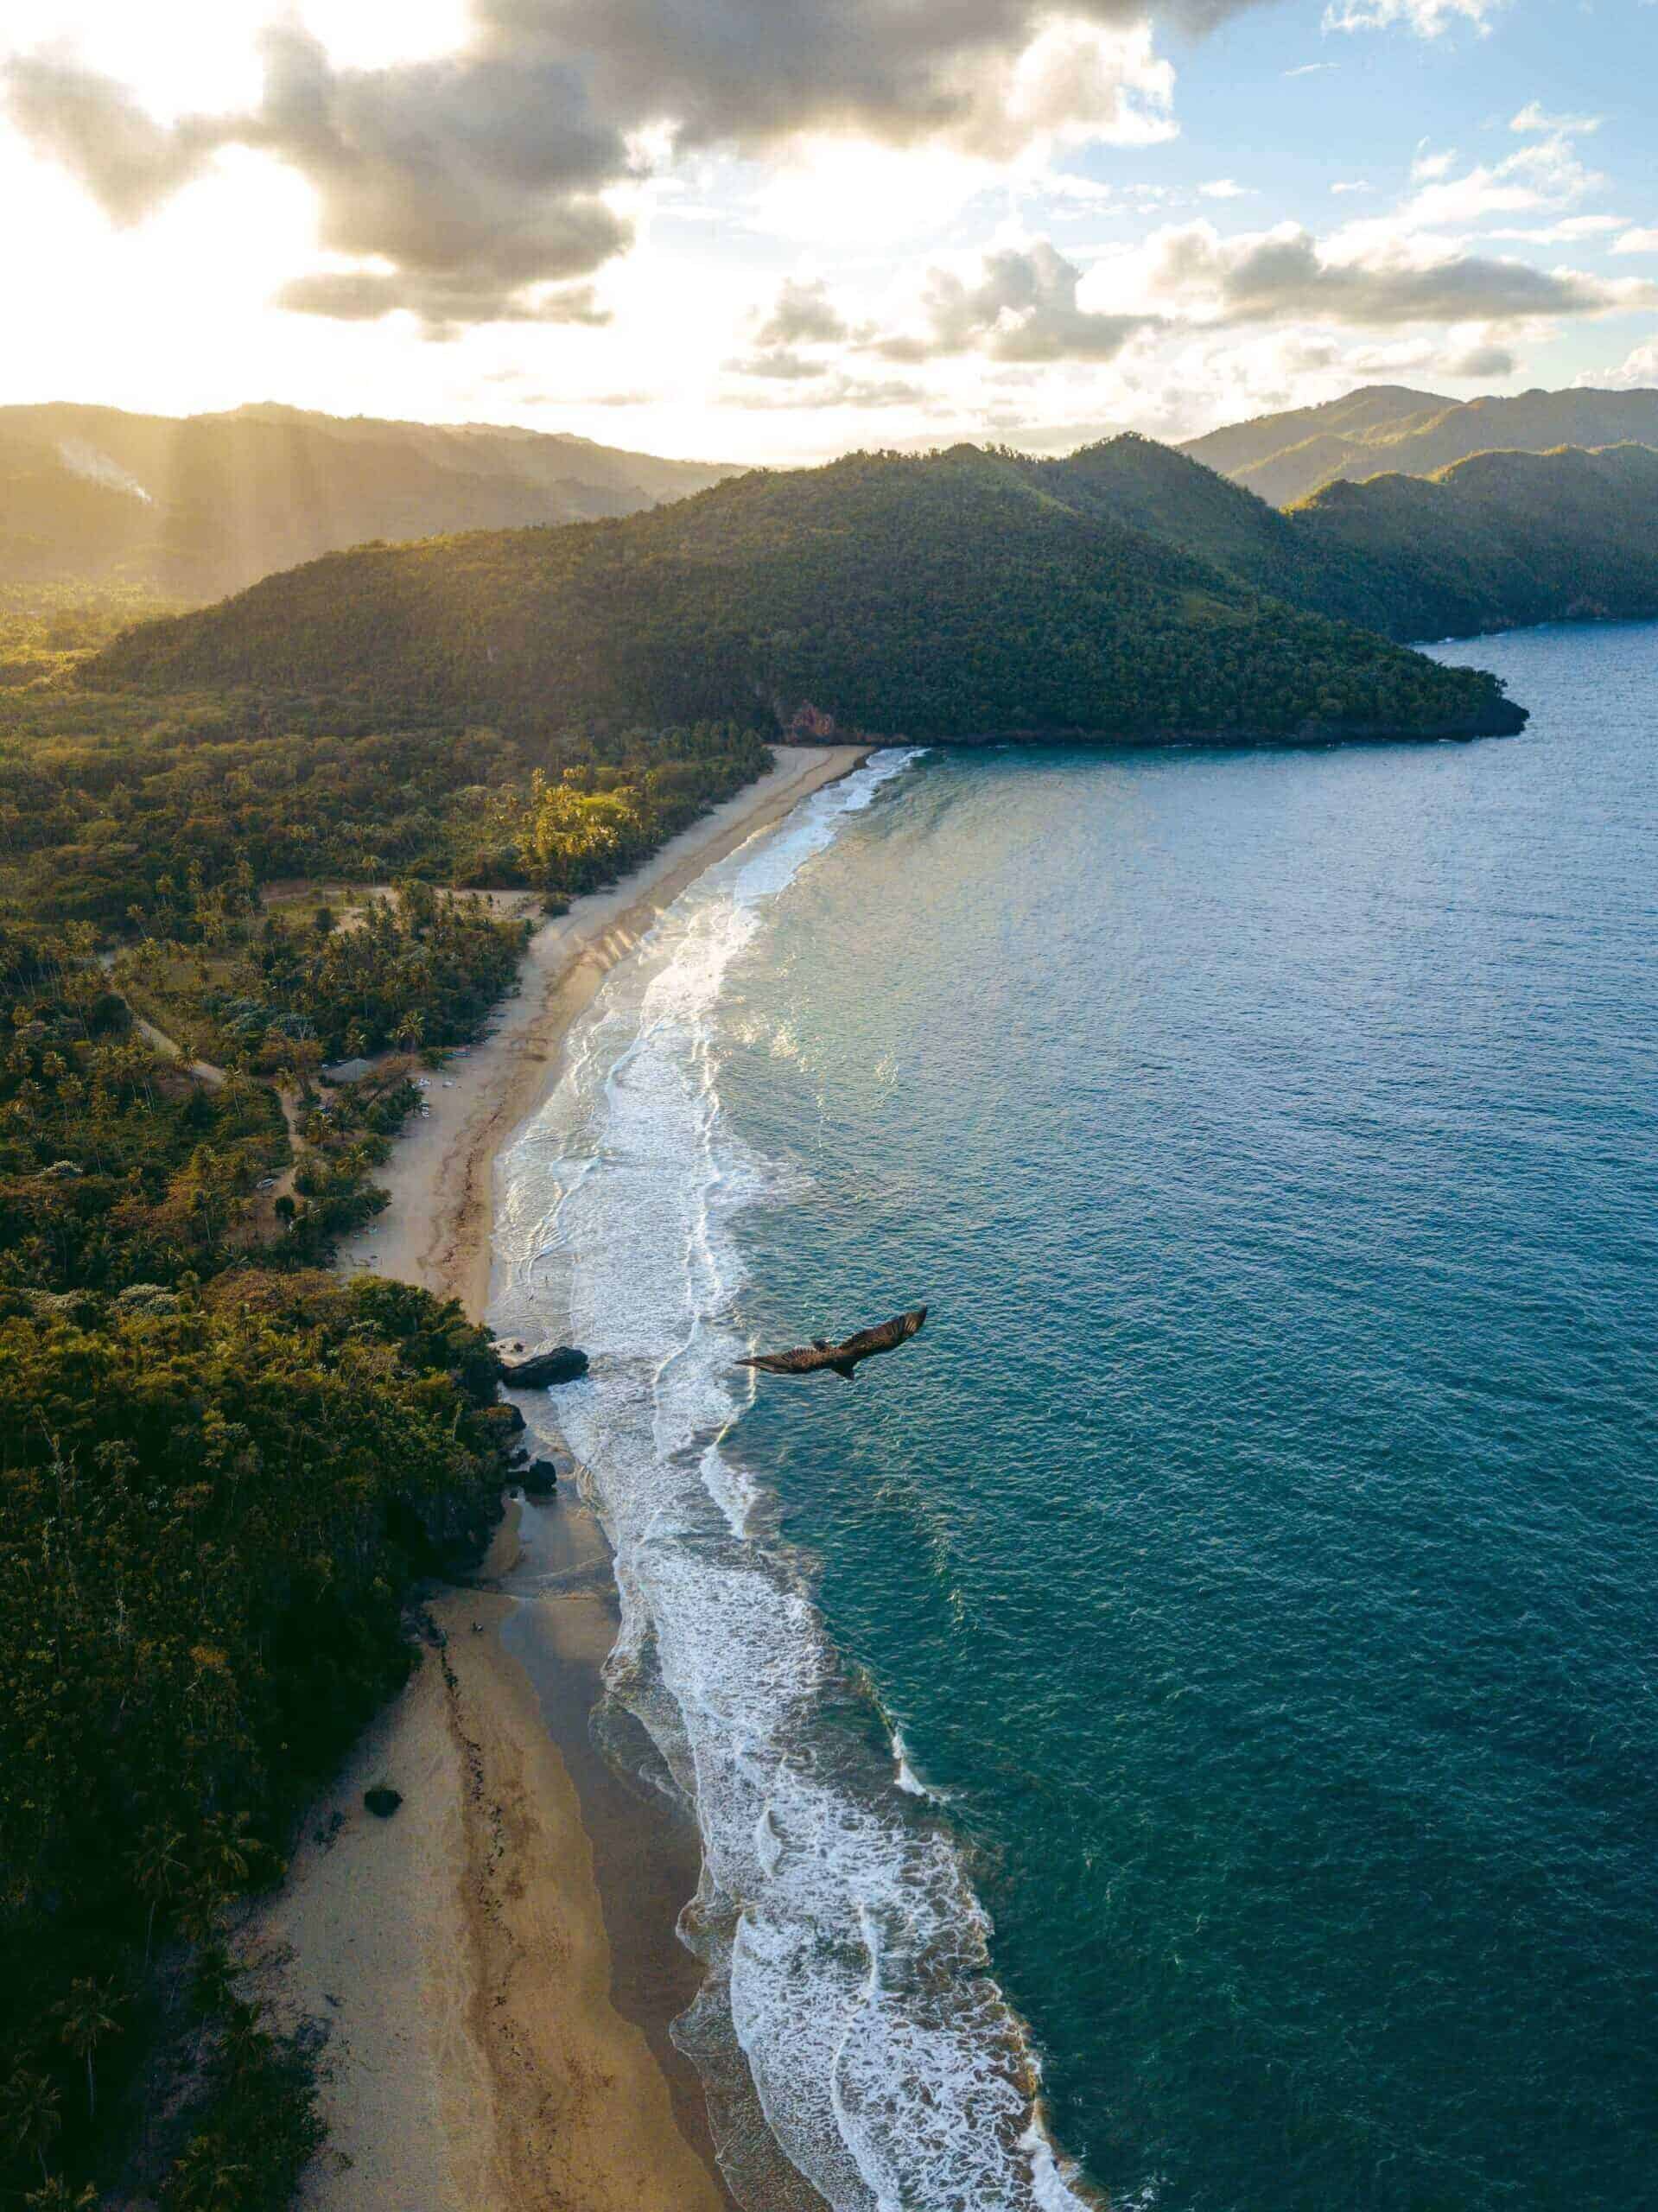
(841, 1359)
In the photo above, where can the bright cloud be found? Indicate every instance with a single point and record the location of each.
(1427, 18)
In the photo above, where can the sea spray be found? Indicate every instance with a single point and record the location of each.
(848, 1992)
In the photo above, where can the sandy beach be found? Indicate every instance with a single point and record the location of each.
(436, 1229)
(497, 1963)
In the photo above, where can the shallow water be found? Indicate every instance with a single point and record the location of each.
(1253, 1555)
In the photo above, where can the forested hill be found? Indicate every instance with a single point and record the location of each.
(1502, 539)
(1390, 428)
(195, 507)
(958, 596)
(1496, 541)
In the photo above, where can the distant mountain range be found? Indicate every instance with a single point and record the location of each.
(1287, 457)
(198, 506)
(965, 596)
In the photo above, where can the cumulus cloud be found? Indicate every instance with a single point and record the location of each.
(1482, 361)
(472, 176)
(93, 126)
(1547, 174)
(1285, 275)
(491, 183)
(804, 315)
(1570, 230)
(1020, 305)
(446, 306)
(833, 388)
(1638, 374)
(1427, 18)
(780, 365)
(985, 74)
(1532, 117)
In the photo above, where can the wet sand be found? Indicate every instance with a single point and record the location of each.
(497, 1963)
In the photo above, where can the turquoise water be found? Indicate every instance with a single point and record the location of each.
(1255, 1553)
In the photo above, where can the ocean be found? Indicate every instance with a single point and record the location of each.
(1182, 1732)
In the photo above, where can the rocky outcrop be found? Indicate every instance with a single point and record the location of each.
(563, 1364)
(540, 1478)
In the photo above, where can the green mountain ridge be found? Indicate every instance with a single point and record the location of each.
(963, 596)
(1498, 541)
(1490, 542)
(1287, 457)
(195, 506)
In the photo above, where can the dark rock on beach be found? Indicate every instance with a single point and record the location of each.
(382, 1801)
(540, 1478)
(562, 1364)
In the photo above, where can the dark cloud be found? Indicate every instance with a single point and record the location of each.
(1482, 362)
(747, 73)
(480, 166)
(1023, 307)
(446, 308)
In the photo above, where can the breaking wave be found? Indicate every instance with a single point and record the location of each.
(848, 1999)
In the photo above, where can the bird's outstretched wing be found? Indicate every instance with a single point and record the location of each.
(841, 1359)
(887, 1338)
(805, 1359)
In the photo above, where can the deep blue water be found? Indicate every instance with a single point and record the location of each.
(1257, 1551)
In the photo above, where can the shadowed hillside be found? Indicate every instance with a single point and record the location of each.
(1493, 542)
(1490, 542)
(208, 504)
(961, 596)
(1389, 427)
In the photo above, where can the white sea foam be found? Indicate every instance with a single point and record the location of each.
(906, 1777)
(843, 1938)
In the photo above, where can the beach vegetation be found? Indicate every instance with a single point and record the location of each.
(215, 1505)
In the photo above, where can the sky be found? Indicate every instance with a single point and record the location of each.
(774, 229)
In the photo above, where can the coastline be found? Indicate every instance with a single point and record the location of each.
(436, 1230)
(498, 1964)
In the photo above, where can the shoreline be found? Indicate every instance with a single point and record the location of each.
(436, 1230)
(499, 1963)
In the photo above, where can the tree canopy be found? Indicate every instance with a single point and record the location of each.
(958, 595)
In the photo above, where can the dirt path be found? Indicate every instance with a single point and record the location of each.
(170, 1048)
(212, 1078)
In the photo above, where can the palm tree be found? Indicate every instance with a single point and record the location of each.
(207, 2179)
(84, 2017)
(157, 1871)
(60, 2195)
(228, 1850)
(29, 2118)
